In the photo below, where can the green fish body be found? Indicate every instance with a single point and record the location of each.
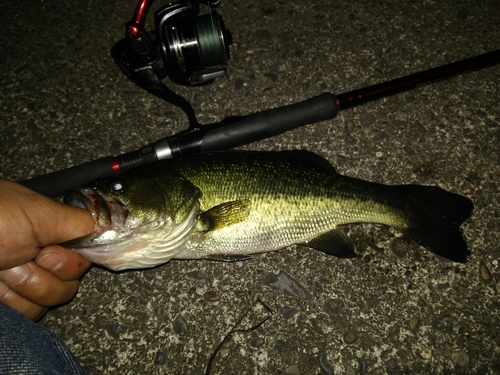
(229, 205)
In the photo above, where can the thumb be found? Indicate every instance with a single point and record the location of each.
(55, 222)
(30, 221)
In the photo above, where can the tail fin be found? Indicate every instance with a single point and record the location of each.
(435, 216)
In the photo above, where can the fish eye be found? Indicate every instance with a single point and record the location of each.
(117, 187)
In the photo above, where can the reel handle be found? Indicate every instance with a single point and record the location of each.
(146, 75)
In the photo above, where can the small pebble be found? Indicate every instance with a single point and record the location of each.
(197, 276)
(317, 326)
(318, 286)
(149, 275)
(101, 287)
(350, 337)
(414, 322)
(284, 284)
(363, 366)
(392, 364)
(401, 116)
(115, 331)
(211, 296)
(160, 358)
(292, 370)
(409, 151)
(349, 370)
(426, 353)
(257, 342)
(461, 360)
(366, 118)
(400, 247)
(180, 326)
(333, 307)
(394, 333)
(288, 312)
(379, 137)
(484, 273)
(325, 365)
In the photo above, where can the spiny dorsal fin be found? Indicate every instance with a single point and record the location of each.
(224, 214)
(309, 156)
(334, 242)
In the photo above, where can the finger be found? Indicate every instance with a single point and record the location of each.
(47, 222)
(27, 308)
(38, 285)
(65, 223)
(29, 221)
(63, 263)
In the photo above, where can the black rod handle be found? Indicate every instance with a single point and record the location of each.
(271, 122)
(255, 126)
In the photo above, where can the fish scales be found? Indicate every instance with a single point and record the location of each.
(228, 205)
(291, 200)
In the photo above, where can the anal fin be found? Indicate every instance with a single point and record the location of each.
(334, 242)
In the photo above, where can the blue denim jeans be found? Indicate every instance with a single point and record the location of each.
(28, 348)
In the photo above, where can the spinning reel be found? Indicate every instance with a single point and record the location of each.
(188, 47)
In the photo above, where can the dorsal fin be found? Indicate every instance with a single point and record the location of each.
(310, 156)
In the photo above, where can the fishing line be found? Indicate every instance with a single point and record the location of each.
(234, 330)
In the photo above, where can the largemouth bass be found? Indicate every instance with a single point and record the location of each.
(229, 205)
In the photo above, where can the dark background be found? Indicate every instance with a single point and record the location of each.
(396, 308)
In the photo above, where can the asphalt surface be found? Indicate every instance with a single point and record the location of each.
(396, 308)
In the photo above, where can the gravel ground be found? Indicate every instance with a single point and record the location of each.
(396, 308)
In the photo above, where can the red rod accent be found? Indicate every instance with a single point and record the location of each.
(135, 27)
(115, 165)
(356, 97)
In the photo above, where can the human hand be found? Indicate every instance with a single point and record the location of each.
(35, 272)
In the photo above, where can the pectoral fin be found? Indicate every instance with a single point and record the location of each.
(223, 215)
(334, 242)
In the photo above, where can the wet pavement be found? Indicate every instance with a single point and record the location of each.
(396, 308)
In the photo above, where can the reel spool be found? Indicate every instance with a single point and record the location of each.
(188, 47)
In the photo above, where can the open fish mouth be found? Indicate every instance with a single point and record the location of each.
(107, 213)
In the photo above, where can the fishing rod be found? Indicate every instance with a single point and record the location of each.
(236, 131)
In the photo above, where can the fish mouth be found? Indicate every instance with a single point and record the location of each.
(93, 202)
(107, 213)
